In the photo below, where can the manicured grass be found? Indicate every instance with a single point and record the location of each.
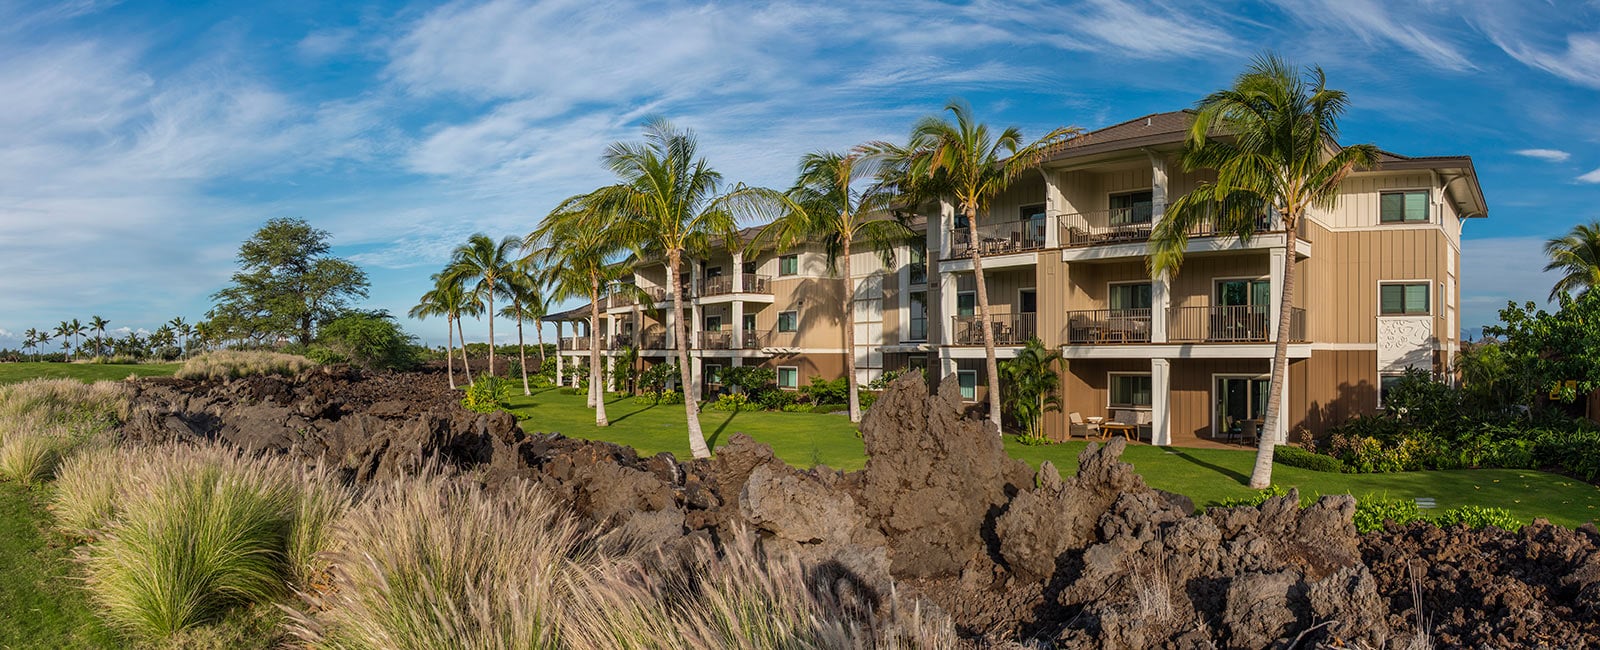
(11, 373)
(41, 602)
(1206, 475)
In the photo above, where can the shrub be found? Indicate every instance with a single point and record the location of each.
(1479, 517)
(776, 400)
(1297, 457)
(369, 339)
(822, 391)
(43, 421)
(829, 408)
(31, 456)
(487, 394)
(231, 364)
(867, 399)
(1255, 500)
(437, 562)
(731, 402)
(1373, 510)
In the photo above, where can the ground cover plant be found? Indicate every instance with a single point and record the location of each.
(233, 364)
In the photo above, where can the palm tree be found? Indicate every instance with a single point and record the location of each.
(526, 306)
(463, 303)
(1577, 256)
(204, 334)
(670, 207)
(31, 340)
(438, 301)
(182, 330)
(1031, 383)
(832, 201)
(78, 331)
(967, 164)
(485, 265)
(99, 324)
(577, 244)
(64, 332)
(1276, 153)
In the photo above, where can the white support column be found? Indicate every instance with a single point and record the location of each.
(1275, 269)
(738, 324)
(559, 378)
(947, 365)
(1160, 306)
(1158, 186)
(738, 273)
(696, 364)
(947, 307)
(1160, 402)
(947, 220)
(1055, 203)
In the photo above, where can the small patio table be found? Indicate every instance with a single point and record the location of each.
(1109, 428)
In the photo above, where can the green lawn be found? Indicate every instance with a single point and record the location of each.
(11, 373)
(1205, 475)
(40, 602)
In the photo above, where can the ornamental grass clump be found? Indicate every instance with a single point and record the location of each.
(43, 421)
(87, 485)
(233, 364)
(439, 562)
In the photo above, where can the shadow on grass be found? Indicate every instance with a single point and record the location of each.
(1238, 477)
(717, 435)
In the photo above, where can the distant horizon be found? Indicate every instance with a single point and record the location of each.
(143, 144)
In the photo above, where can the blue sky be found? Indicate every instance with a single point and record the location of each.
(141, 142)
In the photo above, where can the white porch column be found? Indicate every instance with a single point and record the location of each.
(559, 378)
(1055, 203)
(1160, 306)
(696, 364)
(1275, 269)
(738, 273)
(1160, 402)
(737, 307)
(947, 307)
(1158, 187)
(947, 220)
(947, 365)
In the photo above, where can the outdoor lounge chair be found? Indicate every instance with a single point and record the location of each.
(1077, 425)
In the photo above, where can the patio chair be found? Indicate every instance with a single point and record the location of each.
(1248, 428)
(1079, 425)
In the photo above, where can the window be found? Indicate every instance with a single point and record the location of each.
(714, 272)
(1132, 207)
(969, 384)
(749, 268)
(919, 266)
(1027, 301)
(713, 323)
(788, 321)
(1135, 295)
(1034, 217)
(788, 377)
(789, 265)
(749, 322)
(1130, 390)
(1403, 299)
(966, 303)
(713, 374)
(1403, 207)
(1386, 383)
(919, 317)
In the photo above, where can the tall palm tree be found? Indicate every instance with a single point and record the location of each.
(204, 334)
(578, 244)
(463, 304)
(99, 324)
(485, 266)
(671, 206)
(1273, 140)
(964, 162)
(182, 330)
(526, 306)
(31, 340)
(64, 332)
(439, 301)
(833, 201)
(77, 329)
(1577, 257)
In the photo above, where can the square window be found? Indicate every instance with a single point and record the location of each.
(1132, 296)
(966, 303)
(788, 377)
(1132, 208)
(1403, 207)
(1409, 299)
(789, 265)
(969, 384)
(1387, 383)
(1028, 301)
(788, 321)
(1130, 390)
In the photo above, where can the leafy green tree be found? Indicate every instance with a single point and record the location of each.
(834, 201)
(1031, 381)
(1543, 350)
(369, 339)
(669, 204)
(287, 284)
(1577, 257)
(964, 162)
(482, 267)
(1277, 154)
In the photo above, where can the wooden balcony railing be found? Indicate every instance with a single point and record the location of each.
(1231, 324)
(1125, 225)
(1000, 237)
(653, 341)
(718, 340)
(580, 342)
(1009, 329)
(723, 284)
(1107, 326)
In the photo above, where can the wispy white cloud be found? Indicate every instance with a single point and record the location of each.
(1377, 24)
(1551, 155)
(1591, 177)
(1577, 61)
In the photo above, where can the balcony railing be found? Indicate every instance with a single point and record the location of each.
(621, 341)
(1008, 329)
(1001, 237)
(718, 340)
(752, 339)
(1231, 324)
(1125, 225)
(653, 341)
(580, 342)
(1107, 326)
(662, 294)
(626, 298)
(723, 284)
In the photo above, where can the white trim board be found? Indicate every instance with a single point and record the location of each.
(1179, 351)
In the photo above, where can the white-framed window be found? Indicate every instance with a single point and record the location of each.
(1130, 295)
(918, 322)
(1132, 207)
(788, 377)
(1410, 206)
(969, 384)
(1386, 382)
(1130, 390)
(1403, 299)
(713, 374)
(966, 303)
(788, 321)
(789, 265)
(713, 323)
(919, 265)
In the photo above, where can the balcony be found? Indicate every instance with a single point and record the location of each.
(718, 340)
(1000, 238)
(621, 299)
(621, 341)
(1008, 329)
(653, 341)
(1231, 324)
(723, 284)
(1124, 226)
(1107, 326)
(580, 342)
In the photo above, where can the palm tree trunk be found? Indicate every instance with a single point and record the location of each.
(450, 350)
(850, 336)
(491, 332)
(522, 348)
(989, 365)
(538, 331)
(461, 331)
(1261, 476)
(597, 387)
(691, 403)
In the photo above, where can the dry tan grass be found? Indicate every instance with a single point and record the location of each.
(233, 364)
(43, 421)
